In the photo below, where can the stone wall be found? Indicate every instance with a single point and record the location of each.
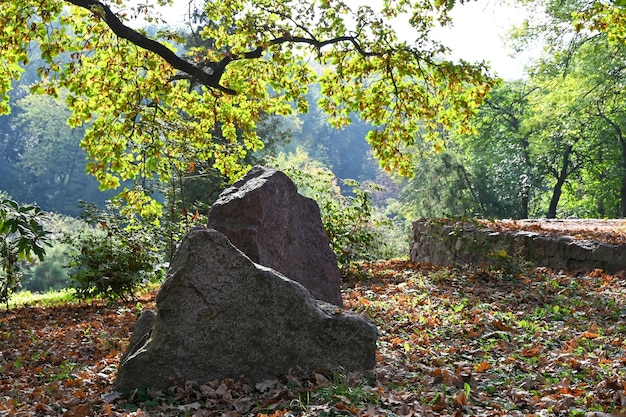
(457, 244)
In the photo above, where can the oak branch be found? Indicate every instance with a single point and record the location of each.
(208, 74)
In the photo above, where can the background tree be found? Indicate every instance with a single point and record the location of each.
(344, 150)
(606, 17)
(11, 144)
(440, 187)
(488, 173)
(51, 164)
(497, 155)
(579, 80)
(562, 131)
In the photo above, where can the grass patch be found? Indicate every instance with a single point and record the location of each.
(64, 296)
(46, 299)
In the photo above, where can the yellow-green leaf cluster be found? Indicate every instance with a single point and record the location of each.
(147, 117)
(602, 17)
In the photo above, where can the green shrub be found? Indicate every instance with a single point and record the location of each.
(22, 236)
(350, 224)
(112, 259)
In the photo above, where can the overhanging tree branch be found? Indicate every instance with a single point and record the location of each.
(210, 79)
(209, 74)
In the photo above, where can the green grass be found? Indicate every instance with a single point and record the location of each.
(58, 297)
(46, 299)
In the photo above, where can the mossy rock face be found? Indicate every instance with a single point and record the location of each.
(220, 315)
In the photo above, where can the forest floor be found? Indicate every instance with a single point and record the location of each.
(604, 230)
(472, 342)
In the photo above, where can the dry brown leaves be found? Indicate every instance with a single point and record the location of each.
(543, 343)
(611, 231)
(60, 360)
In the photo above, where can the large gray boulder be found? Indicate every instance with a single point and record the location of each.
(220, 315)
(263, 215)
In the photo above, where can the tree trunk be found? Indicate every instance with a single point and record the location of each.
(622, 193)
(623, 197)
(558, 187)
(525, 203)
(527, 182)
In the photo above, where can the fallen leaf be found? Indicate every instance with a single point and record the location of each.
(189, 407)
(267, 384)
(483, 366)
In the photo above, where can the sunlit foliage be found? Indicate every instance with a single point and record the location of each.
(153, 107)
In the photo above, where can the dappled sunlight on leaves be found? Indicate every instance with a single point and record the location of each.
(611, 231)
(478, 344)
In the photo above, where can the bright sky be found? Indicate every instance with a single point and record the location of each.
(477, 35)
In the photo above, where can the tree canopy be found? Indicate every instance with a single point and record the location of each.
(151, 105)
(551, 144)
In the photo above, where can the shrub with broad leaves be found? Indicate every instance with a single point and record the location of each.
(22, 237)
(112, 259)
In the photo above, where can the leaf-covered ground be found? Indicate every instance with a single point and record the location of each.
(612, 231)
(451, 343)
